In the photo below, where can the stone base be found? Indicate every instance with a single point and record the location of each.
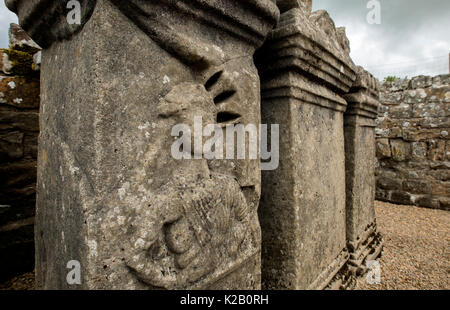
(367, 248)
(343, 280)
(335, 276)
(246, 275)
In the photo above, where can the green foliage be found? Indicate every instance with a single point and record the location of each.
(391, 79)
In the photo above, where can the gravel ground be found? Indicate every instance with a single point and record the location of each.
(416, 251)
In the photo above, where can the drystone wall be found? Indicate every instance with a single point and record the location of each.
(113, 197)
(19, 129)
(413, 142)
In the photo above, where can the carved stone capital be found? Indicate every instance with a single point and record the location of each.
(177, 26)
(309, 44)
(363, 96)
(45, 21)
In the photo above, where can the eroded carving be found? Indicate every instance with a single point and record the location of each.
(200, 219)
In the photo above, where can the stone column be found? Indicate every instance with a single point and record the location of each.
(364, 242)
(110, 195)
(305, 69)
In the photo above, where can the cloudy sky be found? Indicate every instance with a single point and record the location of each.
(413, 37)
(6, 17)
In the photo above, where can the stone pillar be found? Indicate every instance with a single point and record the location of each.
(364, 242)
(305, 69)
(110, 194)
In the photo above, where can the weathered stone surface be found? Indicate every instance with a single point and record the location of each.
(132, 215)
(399, 150)
(417, 186)
(18, 58)
(286, 5)
(388, 183)
(383, 148)
(111, 195)
(401, 197)
(418, 150)
(304, 71)
(13, 62)
(19, 91)
(20, 41)
(37, 58)
(444, 203)
(428, 201)
(415, 122)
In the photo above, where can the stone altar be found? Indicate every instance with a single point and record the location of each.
(109, 193)
(364, 241)
(305, 70)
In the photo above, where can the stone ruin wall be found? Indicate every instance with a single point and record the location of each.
(413, 142)
(19, 130)
(119, 213)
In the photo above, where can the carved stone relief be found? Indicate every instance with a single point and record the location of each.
(114, 88)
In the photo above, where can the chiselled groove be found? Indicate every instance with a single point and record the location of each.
(222, 97)
(334, 70)
(329, 58)
(331, 62)
(213, 80)
(314, 73)
(226, 117)
(294, 84)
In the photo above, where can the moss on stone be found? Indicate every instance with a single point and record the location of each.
(25, 49)
(22, 62)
